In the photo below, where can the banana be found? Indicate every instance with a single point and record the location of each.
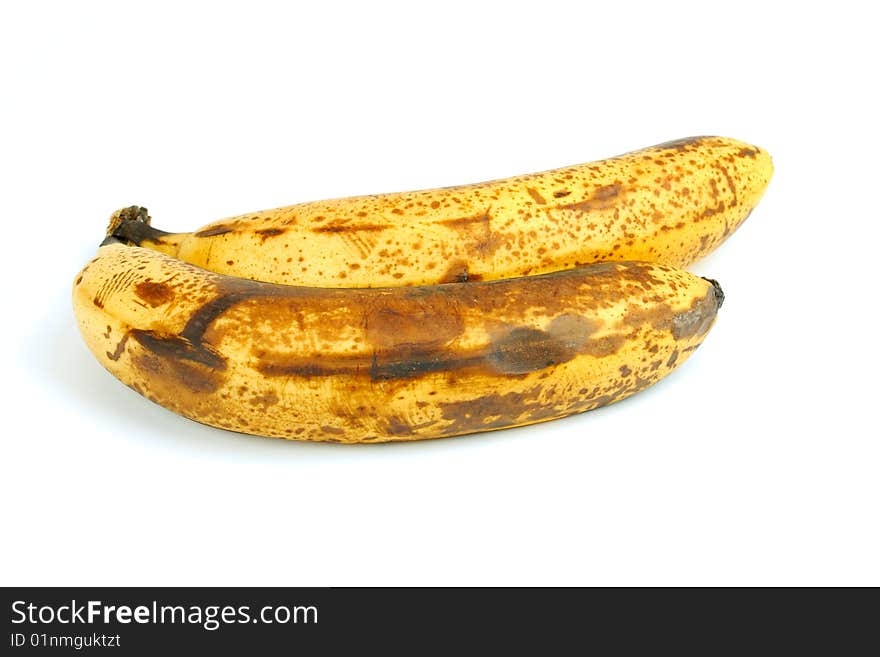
(386, 364)
(671, 204)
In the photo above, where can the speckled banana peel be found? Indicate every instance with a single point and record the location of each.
(672, 204)
(361, 365)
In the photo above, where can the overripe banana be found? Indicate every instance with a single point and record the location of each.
(671, 204)
(382, 364)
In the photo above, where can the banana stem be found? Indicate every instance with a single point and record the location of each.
(131, 226)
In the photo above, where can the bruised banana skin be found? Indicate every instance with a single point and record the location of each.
(383, 364)
(671, 203)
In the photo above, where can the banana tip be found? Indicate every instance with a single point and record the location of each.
(719, 293)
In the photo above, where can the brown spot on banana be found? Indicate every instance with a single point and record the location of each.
(120, 346)
(496, 411)
(389, 363)
(536, 196)
(344, 227)
(398, 427)
(481, 219)
(214, 231)
(264, 401)
(153, 293)
(266, 233)
(603, 197)
(458, 273)
(682, 144)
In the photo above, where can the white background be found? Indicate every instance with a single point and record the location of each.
(755, 463)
